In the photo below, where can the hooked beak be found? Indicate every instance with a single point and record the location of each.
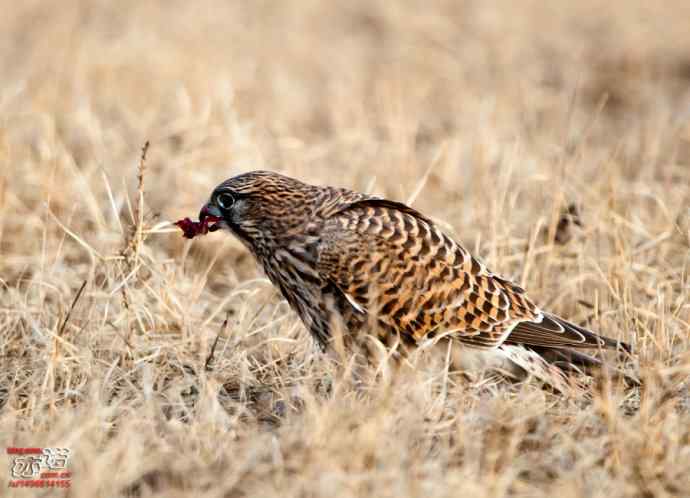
(211, 216)
(209, 210)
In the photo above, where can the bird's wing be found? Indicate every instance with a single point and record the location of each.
(410, 278)
(552, 331)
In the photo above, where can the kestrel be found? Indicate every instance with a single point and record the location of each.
(380, 267)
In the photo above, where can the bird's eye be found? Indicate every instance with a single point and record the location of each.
(225, 200)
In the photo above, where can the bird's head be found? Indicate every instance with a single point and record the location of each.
(260, 207)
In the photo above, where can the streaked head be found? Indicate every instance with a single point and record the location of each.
(260, 207)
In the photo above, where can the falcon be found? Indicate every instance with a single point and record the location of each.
(380, 268)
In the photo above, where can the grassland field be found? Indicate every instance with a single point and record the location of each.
(491, 117)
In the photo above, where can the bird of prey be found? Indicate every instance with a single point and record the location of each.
(382, 268)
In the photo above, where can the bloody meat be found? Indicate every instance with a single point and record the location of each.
(191, 228)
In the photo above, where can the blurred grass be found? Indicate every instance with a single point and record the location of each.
(494, 116)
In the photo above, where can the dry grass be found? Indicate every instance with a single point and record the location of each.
(493, 116)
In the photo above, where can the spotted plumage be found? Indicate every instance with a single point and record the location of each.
(380, 267)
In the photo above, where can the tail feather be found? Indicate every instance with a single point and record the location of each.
(570, 360)
(559, 368)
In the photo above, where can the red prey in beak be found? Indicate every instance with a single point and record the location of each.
(209, 216)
